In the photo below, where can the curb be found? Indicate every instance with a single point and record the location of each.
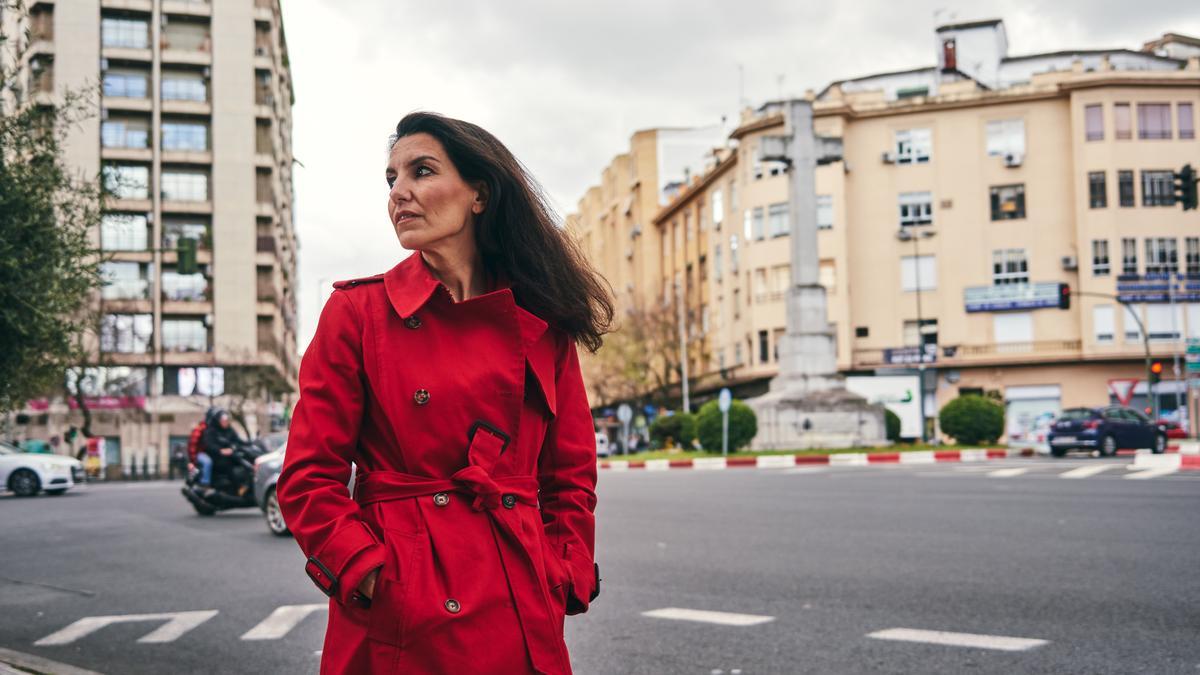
(835, 459)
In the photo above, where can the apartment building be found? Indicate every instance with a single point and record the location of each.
(193, 138)
(966, 193)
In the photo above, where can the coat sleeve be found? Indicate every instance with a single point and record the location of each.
(322, 442)
(567, 477)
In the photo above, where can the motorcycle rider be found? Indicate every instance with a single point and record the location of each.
(219, 439)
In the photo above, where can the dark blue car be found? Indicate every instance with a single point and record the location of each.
(1105, 429)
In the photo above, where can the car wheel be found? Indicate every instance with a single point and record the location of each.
(24, 483)
(274, 515)
(56, 493)
(1108, 446)
(1058, 452)
(1160, 444)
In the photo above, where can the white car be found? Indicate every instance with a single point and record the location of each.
(601, 444)
(28, 473)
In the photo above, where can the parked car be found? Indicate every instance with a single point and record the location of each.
(266, 475)
(28, 473)
(1105, 429)
(601, 444)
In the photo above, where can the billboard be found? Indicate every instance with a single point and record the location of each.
(898, 393)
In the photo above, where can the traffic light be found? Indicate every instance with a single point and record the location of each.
(1185, 187)
(186, 252)
(1156, 370)
(1064, 296)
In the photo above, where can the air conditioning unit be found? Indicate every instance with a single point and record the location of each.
(889, 158)
(1070, 263)
(1014, 159)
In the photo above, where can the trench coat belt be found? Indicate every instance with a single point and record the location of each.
(382, 486)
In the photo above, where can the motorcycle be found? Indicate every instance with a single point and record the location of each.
(232, 481)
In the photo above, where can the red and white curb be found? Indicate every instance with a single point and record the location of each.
(1186, 456)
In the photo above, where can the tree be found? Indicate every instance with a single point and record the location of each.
(49, 269)
(680, 428)
(639, 359)
(892, 421)
(743, 425)
(973, 419)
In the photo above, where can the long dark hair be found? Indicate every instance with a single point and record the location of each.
(516, 234)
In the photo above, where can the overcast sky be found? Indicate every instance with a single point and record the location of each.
(564, 84)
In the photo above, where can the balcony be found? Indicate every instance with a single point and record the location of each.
(187, 7)
(142, 55)
(122, 103)
(127, 154)
(188, 107)
(132, 5)
(187, 157)
(1007, 353)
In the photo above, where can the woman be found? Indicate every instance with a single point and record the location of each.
(452, 382)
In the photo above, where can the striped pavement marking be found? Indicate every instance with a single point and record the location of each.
(1008, 473)
(705, 616)
(282, 621)
(1143, 474)
(177, 623)
(1086, 471)
(977, 641)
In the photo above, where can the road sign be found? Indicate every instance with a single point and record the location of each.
(625, 414)
(1122, 389)
(724, 402)
(725, 399)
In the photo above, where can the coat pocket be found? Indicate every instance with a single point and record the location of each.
(386, 623)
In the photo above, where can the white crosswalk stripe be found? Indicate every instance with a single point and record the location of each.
(938, 637)
(706, 616)
(1086, 471)
(282, 621)
(177, 623)
(1007, 473)
(1143, 474)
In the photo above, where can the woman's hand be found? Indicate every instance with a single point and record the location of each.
(367, 585)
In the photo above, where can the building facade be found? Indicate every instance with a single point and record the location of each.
(192, 138)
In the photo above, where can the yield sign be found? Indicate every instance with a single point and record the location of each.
(1122, 389)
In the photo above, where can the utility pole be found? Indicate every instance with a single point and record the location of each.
(902, 235)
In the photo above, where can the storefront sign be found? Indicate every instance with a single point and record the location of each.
(1011, 296)
(906, 355)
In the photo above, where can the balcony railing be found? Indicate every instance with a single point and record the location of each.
(969, 354)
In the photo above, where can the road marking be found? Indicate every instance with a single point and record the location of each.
(704, 616)
(177, 623)
(1007, 473)
(1086, 471)
(1143, 474)
(937, 637)
(37, 664)
(806, 469)
(282, 621)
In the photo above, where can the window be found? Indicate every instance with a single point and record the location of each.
(1005, 137)
(862, 331)
(760, 285)
(1162, 257)
(184, 335)
(1187, 122)
(127, 181)
(759, 223)
(916, 208)
(192, 36)
(1123, 121)
(747, 225)
(718, 208)
(717, 262)
(764, 346)
(1154, 121)
(918, 273)
(824, 212)
(1133, 331)
(126, 333)
(778, 217)
(184, 86)
(124, 32)
(1014, 327)
(125, 83)
(1009, 266)
(1008, 202)
(1164, 322)
(1158, 188)
(1093, 120)
(733, 250)
(123, 232)
(188, 136)
(125, 280)
(737, 353)
(1129, 257)
(185, 227)
(107, 381)
(125, 133)
(781, 278)
(178, 287)
(1192, 255)
(925, 335)
(1193, 320)
(1125, 188)
(1097, 190)
(913, 146)
(733, 195)
(826, 275)
(1100, 265)
(737, 313)
(184, 186)
(1103, 323)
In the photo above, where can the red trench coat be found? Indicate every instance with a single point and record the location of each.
(475, 485)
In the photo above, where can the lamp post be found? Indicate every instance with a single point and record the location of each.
(905, 234)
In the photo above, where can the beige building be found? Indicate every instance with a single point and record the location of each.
(967, 192)
(193, 136)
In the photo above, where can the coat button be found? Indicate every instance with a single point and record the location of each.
(452, 606)
(421, 396)
(509, 501)
(441, 499)
(412, 322)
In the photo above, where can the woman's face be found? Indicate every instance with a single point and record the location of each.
(429, 202)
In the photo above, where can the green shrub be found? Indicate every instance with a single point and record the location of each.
(680, 427)
(973, 419)
(742, 426)
(892, 422)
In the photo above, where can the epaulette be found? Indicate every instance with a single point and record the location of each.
(351, 283)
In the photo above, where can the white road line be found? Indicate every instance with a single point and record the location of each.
(177, 623)
(1086, 471)
(1007, 473)
(806, 469)
(1144, 474)
(282, 621)
(703, 616)
(937, 637)
(37, 664)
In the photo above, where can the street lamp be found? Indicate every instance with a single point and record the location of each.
(907, 234)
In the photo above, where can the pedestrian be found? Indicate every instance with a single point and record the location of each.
(452, 382)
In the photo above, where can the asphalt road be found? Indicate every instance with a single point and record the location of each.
(1097, 574)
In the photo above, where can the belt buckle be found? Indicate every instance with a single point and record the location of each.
(480, 424)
